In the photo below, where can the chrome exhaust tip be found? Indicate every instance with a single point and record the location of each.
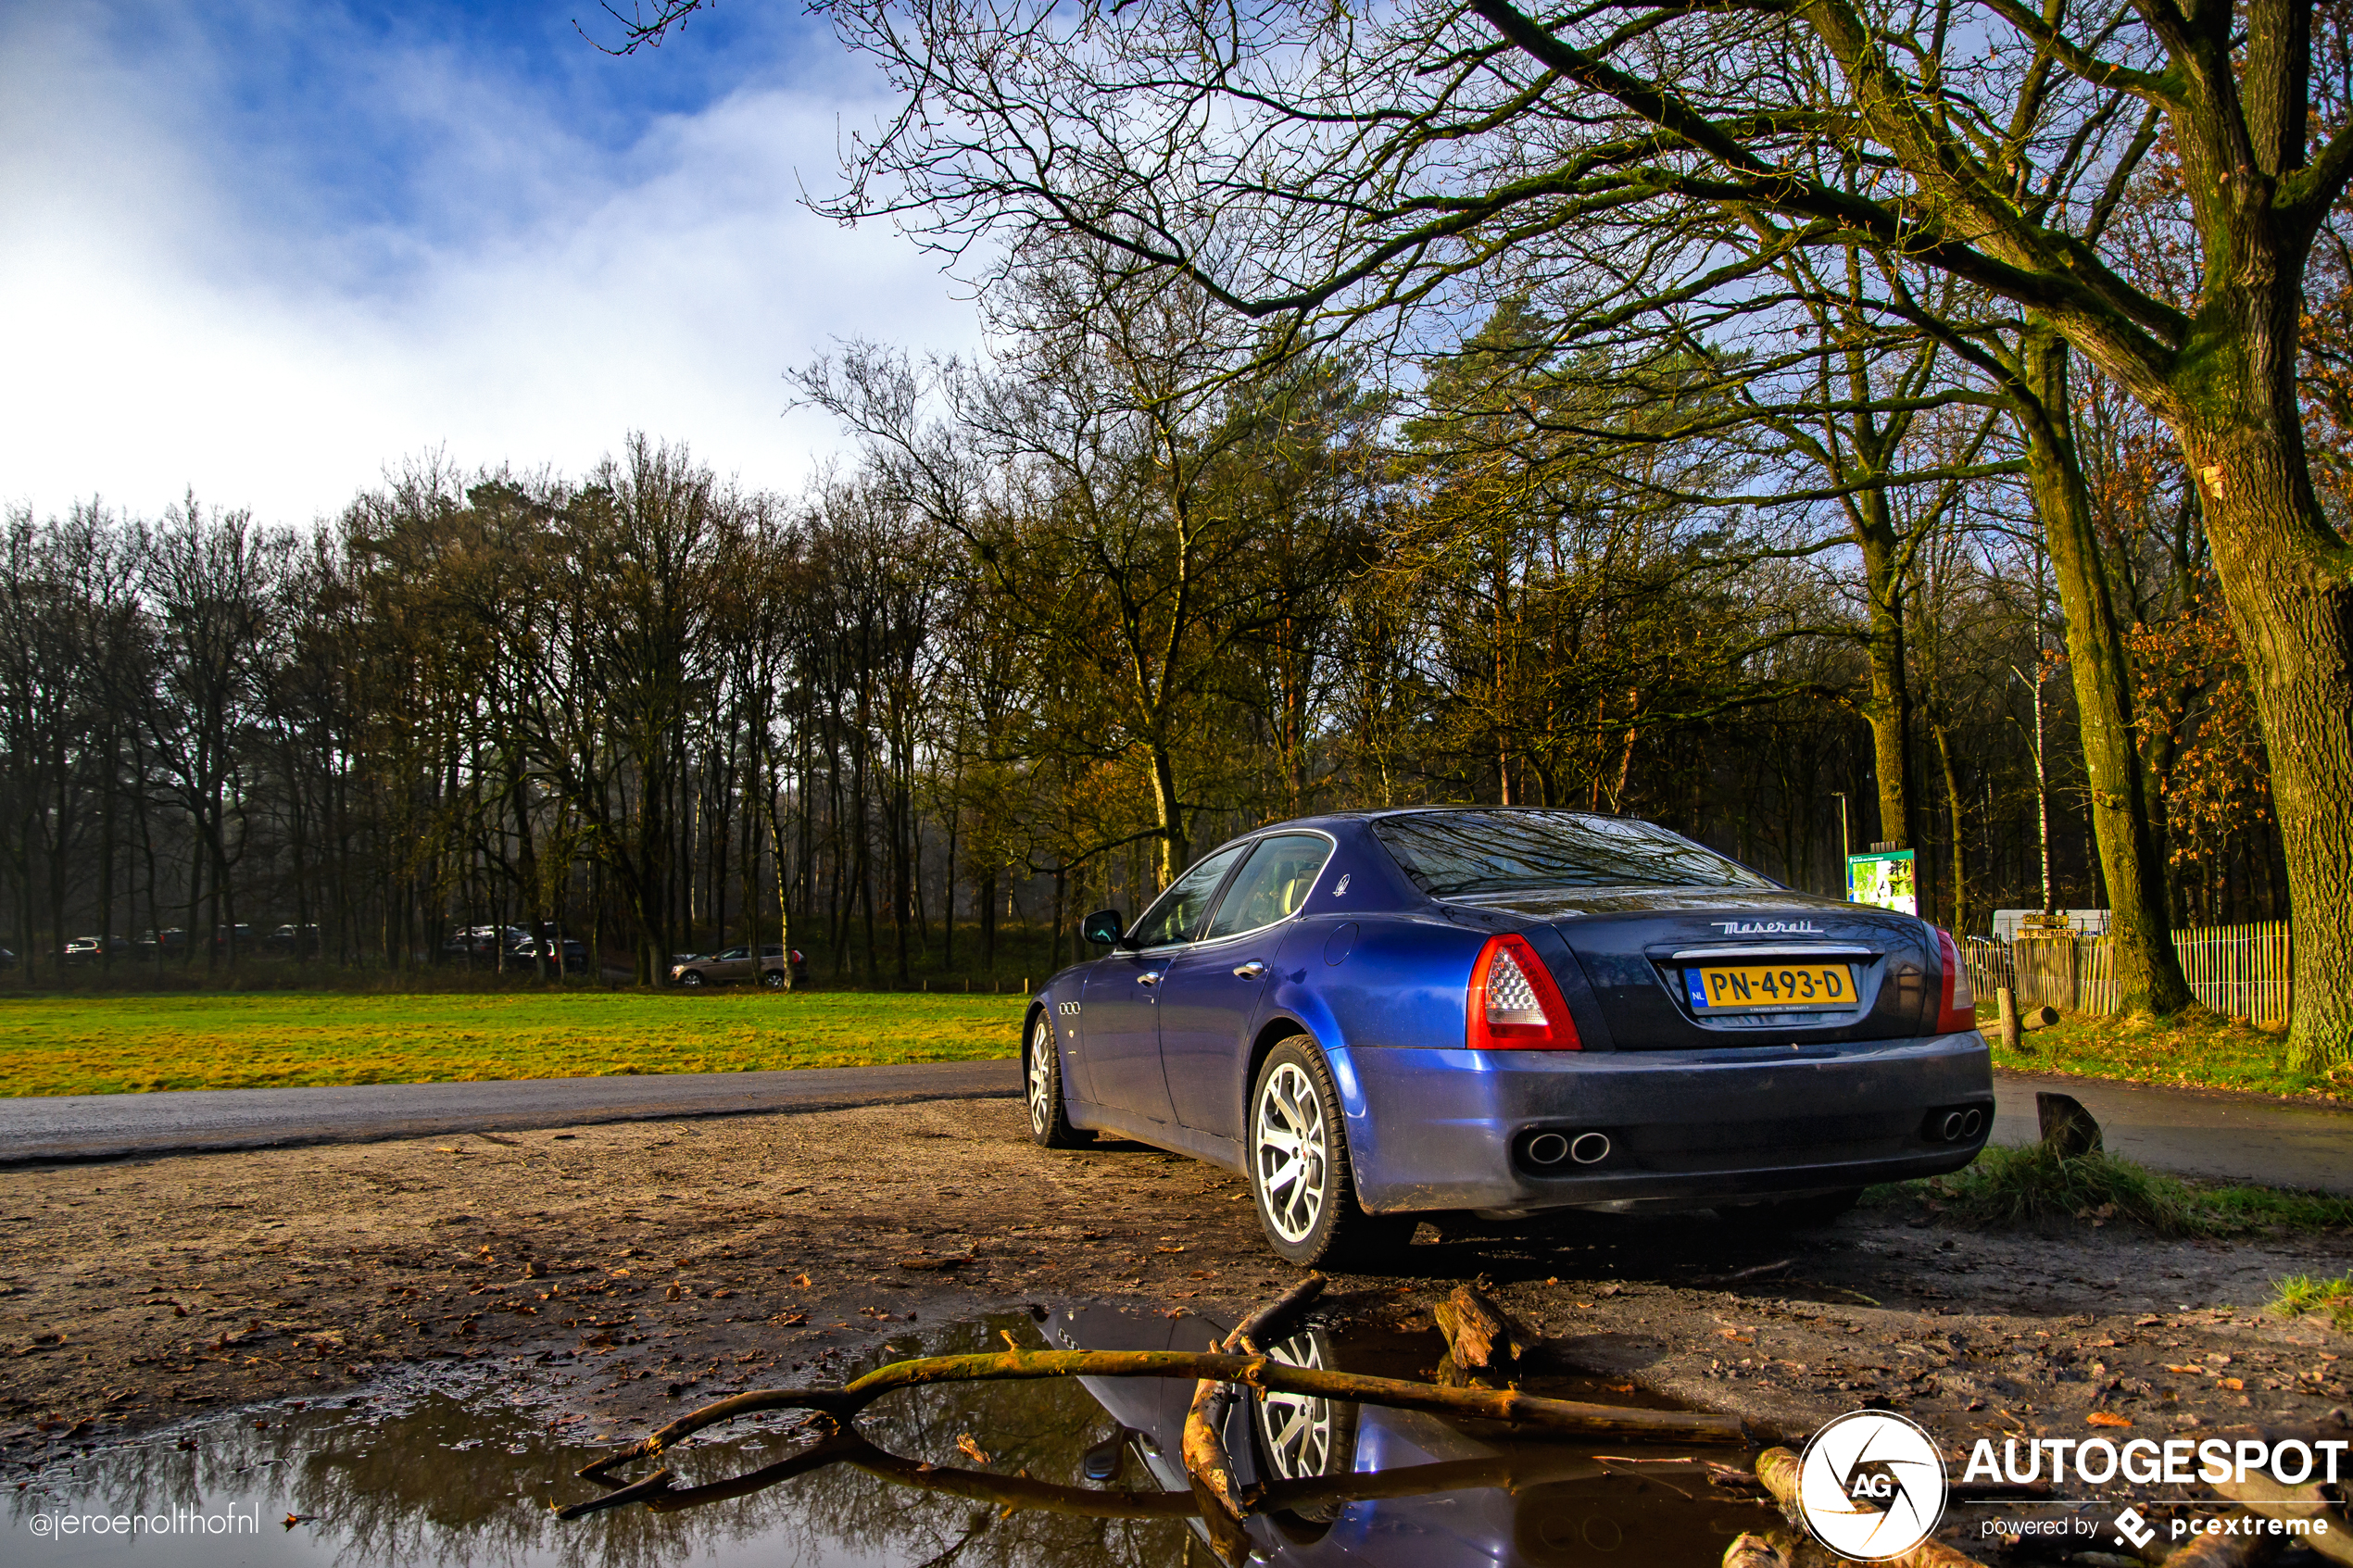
(1954, 1121)
(1547, 1149)
(1972, 1124)
(1589, 1148)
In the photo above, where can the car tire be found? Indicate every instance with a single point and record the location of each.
(1304, 1437)
(692, 978)
(774, 980)
(1300, 1182)
(1793, 1214)
(1049, 1122)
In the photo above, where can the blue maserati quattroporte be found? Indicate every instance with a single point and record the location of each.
(1384, 1015)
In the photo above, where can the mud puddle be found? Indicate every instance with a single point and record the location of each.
(469, 1473)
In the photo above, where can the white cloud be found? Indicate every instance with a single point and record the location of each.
(182, 311)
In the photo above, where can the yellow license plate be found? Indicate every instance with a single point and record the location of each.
(1772, 987)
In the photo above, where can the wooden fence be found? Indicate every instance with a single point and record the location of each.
(2241, 971)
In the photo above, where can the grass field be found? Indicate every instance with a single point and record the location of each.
(2197, 1049)
(127, 1044)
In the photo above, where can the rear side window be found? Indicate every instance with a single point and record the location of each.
(1179, 914)
(1273, 883)
(1463, 854)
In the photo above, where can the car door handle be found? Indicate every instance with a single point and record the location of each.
(1250, 970)
(1150, 977)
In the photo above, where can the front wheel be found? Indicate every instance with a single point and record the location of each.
(1049, 1119)
(691, 979)
(1298, 1170)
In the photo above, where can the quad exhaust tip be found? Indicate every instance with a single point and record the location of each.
(1551, 1148)
(1547, 1149)
(1960, 1125)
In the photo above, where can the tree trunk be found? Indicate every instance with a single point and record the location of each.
(2149, 972)
(783, 902)
(1942, 735)
(988, 922)
(2285, 583)
(1890, 709)
(1175, 853)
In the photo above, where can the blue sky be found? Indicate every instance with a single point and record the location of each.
(267, 249)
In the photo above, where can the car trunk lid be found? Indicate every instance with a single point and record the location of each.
(1648, 956)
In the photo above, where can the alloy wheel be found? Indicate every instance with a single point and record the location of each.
(1292, 1152)
(1041, 1078)
(1297, 1428)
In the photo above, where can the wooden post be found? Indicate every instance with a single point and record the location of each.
(2006, 1018)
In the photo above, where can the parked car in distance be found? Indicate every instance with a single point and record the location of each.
(483, 943)
(242, 934)
(1375, 1016)
(87, 949)
(573, 953)
(294, 941)
(7, 959)
(695, 970)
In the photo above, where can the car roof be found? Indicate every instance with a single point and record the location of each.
(1373, 814)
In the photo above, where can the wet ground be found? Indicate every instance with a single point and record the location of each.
(612, 1277)
(465, 1468)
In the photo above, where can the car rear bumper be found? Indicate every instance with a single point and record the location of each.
(1446, 1129)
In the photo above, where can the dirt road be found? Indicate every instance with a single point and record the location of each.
(648, 1266)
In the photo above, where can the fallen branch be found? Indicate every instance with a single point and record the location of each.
(1510, 1471)
(1479, 1334)
(1207, 1464)
(1566, 1416)
(2261, 1494)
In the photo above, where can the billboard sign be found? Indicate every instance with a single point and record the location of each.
(1884, 881)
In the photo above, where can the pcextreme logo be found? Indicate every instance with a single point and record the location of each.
(1871, 1486)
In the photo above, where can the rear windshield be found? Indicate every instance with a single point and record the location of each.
(1462, 854)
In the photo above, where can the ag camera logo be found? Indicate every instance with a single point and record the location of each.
(1871, 1486)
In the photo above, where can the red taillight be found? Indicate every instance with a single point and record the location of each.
(1514, 1005)
(1960, 1008)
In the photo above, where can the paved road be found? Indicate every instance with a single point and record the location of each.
(2219, 1136)
(109, 1126)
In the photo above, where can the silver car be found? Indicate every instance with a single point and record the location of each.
(736, 963)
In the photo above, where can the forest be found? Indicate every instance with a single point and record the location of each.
(1068, 621)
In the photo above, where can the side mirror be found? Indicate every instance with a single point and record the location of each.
(1103, 928)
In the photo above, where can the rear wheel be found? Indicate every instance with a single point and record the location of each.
(774, 980)
(1305, 1437)
(1298, 1170)
(1793, 1214)
(1042, 1070)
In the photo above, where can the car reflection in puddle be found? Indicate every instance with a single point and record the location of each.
(466, 1475)
(1462, 1492)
